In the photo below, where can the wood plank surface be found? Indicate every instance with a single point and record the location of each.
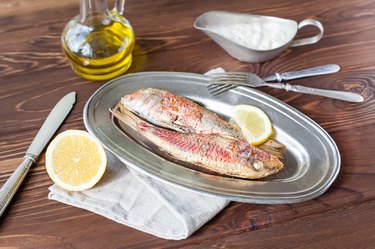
(34, 75)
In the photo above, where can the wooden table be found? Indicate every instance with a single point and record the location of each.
(34, 75)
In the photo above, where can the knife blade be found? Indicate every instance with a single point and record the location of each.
(52, 123)
(45, 133)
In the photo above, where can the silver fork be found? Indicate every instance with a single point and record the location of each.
(252, 80)
(279, 77)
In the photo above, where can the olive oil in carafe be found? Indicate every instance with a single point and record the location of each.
(98, 44)
(104, 53)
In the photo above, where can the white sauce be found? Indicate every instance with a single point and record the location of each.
(256, 35)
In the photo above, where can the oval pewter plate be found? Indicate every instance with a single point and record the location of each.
(312, 160)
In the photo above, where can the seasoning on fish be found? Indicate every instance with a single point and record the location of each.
(169, 110)
(221, 154)
(175, 112)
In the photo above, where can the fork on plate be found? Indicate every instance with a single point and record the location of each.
(221, 82)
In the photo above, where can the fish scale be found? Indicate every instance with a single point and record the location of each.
(175, 112)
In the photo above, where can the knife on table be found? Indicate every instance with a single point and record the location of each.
(48, 129)
(279, 77)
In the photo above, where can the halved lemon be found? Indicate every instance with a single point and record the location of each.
(75, 160)
(254, 123)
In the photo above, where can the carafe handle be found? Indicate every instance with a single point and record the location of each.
(119, 7)
(309, 40)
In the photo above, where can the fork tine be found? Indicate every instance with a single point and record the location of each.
(229, 73)
(230, 87)
(212, 86)
(226, 82)
(216, 88)
(217, 92)
(242, 77)
(221, 80)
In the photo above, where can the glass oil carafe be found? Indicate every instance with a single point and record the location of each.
(99, 42)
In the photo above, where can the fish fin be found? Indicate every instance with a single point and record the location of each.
(273, 147)
(270, 146)
(124, 115)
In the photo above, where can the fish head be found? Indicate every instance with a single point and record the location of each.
(258, 163)
(133, 99)
(265, 164)
(142, 99)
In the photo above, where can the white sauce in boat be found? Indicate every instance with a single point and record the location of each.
(259, 35)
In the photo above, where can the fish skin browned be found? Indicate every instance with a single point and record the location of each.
(221, 154)
(169, 110)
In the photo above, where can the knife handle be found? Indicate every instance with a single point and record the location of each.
(334, 94)
(308, 72)
(12, 184)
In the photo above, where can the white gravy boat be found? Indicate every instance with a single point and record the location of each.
(209, 23)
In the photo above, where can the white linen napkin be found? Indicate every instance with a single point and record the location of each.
(144, 203)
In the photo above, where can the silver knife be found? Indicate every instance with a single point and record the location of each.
(48, 129)
(279, 77)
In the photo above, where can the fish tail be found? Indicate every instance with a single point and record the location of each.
(273, 147)
(125, 116)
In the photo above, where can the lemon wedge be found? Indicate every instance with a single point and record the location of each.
(254, 123)
(75, 160)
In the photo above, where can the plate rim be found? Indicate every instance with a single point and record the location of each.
(243, 91)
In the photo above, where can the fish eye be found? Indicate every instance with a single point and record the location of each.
(257, 165)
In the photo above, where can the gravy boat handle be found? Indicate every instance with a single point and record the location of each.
(309, 40)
